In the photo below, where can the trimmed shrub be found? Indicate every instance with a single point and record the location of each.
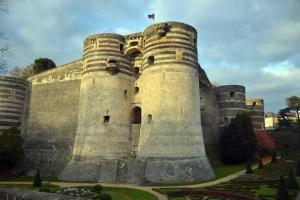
(238, 142)
(282, 191)
(260, 164)
(37, 182)
(105, 196)
(249, 168)
(292, 182)
(274, 157)
(97, 188)
(298, 169)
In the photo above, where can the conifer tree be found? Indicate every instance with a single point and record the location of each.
(260, 164)
(282, 191)
(37, 182)
(249, 168)
(292, 182)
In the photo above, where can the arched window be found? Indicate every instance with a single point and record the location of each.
(136, 115)
(136, 90)
(149, 118)
(122, 47)
(231, 94)
(254, 103)
(106, 119)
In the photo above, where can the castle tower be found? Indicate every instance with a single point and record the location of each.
(256, 112)
(171, 138)
(231, 99)
(12, 102)
(105, 104)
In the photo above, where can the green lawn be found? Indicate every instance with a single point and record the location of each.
(116, 193)
(222, 171)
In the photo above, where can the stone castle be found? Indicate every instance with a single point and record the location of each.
(134, 109)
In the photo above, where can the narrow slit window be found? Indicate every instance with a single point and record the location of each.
(125, 93)
(134, 43)
(151, 60)
(136, 71)
(136, 90)
(122, 47)
(149, 118)
(112, 61)
(106, 119)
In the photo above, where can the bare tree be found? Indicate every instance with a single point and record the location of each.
(4, 50)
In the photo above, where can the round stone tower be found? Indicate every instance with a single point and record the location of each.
(231, 99)
(12, 102)
(103, 126)
(256, 112)
(171, 138)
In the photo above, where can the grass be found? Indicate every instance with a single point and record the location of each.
(116, 193)
(225, 170)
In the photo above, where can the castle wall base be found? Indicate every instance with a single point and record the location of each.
(139, 171)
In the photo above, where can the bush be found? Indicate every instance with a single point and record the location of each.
(97, 188)
(37, 182)
(260, 164)
(238, 142)
(298, 169)
(274, 157)
(105, 196)
(265, 142)
(282, 191)
(44, 190)
(249, 169)
(11, 150)
(292, 182)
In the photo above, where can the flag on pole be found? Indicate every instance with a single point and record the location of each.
(152, 16)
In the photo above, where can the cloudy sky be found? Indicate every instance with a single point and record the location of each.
(255, 43)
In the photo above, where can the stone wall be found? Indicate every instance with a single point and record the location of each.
(51, 120)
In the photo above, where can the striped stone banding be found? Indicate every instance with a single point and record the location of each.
(157, 42)
(169, 36)
(9, 117)
(170, 58)
(103, 65)
(13, 86)
(172, 44)
(11, 102)
(162, 47)
(172, 31)
(6, 96)
(103, 51)
(19, 112)
(13, 80)
(193, 65)
(239, 104)
(18, 92)
(4, 123)
(101, 69)
(121, 60)
(6, 106)
(104, 54)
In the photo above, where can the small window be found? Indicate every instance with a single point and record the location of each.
(195, 41)
(122, 47)
(254, 103)
(133, 43)
(125, 93)
(231, 94)
(149, 118)
(136, 90)
(136, 71)
(150, 60)
(106, 119)
(226, 121)
(112, 61)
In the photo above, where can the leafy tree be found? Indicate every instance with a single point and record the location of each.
(37, 182)
(292, 182)
(265, 142)
(294, 104)
(42, 64)
(249, 168)
(282, 191)
(16, 72)
(237, 142)
(11, 150)
(4, 50)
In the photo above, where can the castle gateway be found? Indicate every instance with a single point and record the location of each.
(135, 109)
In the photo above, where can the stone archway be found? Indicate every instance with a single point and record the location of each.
(136, 115)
